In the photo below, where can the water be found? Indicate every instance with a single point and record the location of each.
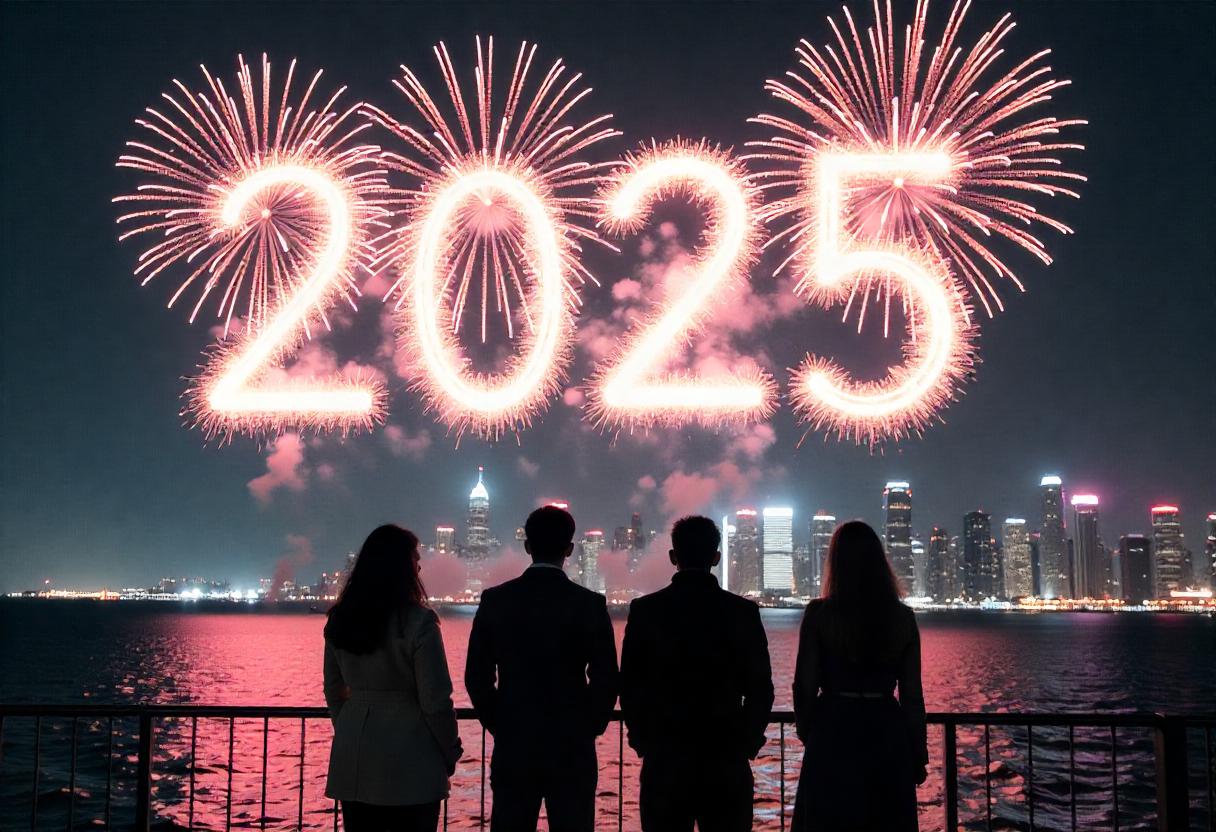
(122, 653)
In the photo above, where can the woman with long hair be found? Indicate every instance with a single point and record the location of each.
(865, 750)
(389, 693)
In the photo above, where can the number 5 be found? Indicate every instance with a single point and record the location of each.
(937, 354)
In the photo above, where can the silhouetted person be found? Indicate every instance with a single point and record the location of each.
(696, 691)
(549, 644)
(865, 751)
(389, 693)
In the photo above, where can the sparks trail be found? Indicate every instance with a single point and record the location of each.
(501, 204)
(202, 145)
(863, 94)
(529, 134)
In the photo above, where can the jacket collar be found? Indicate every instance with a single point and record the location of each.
(696, 578)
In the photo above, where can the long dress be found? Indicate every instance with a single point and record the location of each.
(862, 745)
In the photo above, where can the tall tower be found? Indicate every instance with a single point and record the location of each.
(445, 538)
(940, 570)
(1171, 560)
(1015, 545)
(637, 540)
(1053, 548)
(822, 527)
(778, 570)
(477, 522)
(979, 559)
(1209, 548)
(589, 560)
(897, 532)
(1089, 569)
(1136, 568)
(746, 567)
(723, 569)
(920, 560)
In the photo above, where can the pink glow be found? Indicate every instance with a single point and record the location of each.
(1084, 500)
(1165, 509)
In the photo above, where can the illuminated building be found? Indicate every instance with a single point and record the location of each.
(589, 560)
(897, 532)
(723, 570)
(777, 573)
(520, 534)
(477, 522)
(979, 557)
(1036, 581)
(1053, 545)
(803, 582)
(746, 567)
(1015, 550)
(1136, 568)
(1209, 548)
(1089, 567)
(939, 566)
(445, 538)
(1171, 560)
(637, 540)
(620, 539)
(822, 527)
(921, 565)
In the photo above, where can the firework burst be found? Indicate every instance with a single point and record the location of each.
(203, 144)
(880, 92)
(501, 205)
(633, 389)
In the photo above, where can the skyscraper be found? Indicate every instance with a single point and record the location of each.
(777, 574)
(723, 570)
(1035, 568)
(941, 572)
(920, 561)
(1136, 568)
(477, 522)
(1015, 548)
(445, 538)
(897, 532)
(1089, 568)
(1209, 548)
(1053, 546)
(746, 567)
(979, 559)
(822, 527)
(589, 560)
(803, 585)
(637, 541)
(1170, 556)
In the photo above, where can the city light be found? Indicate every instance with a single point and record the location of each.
(1165, 509)
(633, 391)
(1051, 480)
(1084, 500)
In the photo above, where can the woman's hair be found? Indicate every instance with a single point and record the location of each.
(383, 580)
(860, 612)
(857, 570)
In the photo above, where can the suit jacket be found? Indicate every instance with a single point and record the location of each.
(395, 734)
(541, 667)
(695, 674)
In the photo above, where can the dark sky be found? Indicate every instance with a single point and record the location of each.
(1103, 372)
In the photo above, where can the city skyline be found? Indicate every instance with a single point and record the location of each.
(100, 480)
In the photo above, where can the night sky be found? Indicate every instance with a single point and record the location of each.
(1104, 371)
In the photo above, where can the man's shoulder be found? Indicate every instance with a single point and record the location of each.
(586, 596)
(739, 605)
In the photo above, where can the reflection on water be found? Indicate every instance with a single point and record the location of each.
(273, 776)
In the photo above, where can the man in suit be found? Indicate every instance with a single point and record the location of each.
(696, 692)
(549, 645)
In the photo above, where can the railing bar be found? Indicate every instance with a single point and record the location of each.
(1, 751)
(300, 815)
(265, 757)
(193, 764)
(445, 815)
(481, 817)
(620, 777)
(109, 765)
(72, 777)
(781, 751)
(1030, 772)
(37, 765)
(1207, 742)
(950, 787)
(1072, 779)
(1114, 776)
(988, 775)
(335, 815)
(143, 775)
(231, 744)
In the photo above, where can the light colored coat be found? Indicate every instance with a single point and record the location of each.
(395, 732)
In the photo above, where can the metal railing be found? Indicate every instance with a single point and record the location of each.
(1169, 745)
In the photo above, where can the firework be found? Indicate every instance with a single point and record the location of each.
(938, 354)
(501, 205)
(240, 390)
(201, 146)
(633, 391)
(880, 92)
